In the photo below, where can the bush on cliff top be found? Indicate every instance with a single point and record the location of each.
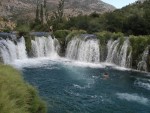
(106, 35)
(75, 33)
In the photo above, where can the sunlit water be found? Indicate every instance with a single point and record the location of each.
(75, 87)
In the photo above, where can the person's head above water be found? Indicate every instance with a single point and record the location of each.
(105, 73)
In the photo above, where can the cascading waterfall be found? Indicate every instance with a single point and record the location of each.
(129, 60)
(45, 47)
(142, 65)
(118, 54)
(123, 55)
(6, 56)
(84, 48)
(72, 48)
(21, 49)
(10, 51)
(87, 49)
(112, 55)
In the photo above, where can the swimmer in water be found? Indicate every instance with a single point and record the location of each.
(105, 76)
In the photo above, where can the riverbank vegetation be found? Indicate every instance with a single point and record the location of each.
(133, 19)
(17, 96)
(130, 20)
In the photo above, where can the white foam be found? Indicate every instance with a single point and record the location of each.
(39, 62)
(114, 66)
(81, 87)
(143, 83)
(86, 64)
(133, 97)
(35, 62)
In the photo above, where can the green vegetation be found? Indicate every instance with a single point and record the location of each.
(138, 44)
(130, 20)
(60, 34)
(60, 11)
(28, 44)
(87, 23)
(75, 33)
(16, 96)
(105, 36)
(24, 30)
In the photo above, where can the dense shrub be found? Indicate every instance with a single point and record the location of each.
(105, 36)
(131, 20)
(74, 33)
(61, 34)
(139, 44)
(28, 44)
(23, 29)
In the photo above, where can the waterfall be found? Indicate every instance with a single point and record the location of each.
(112, 55)
(118, 54)
(72, 48)
(123, 55)
(21, 49)
(45, 47)
(84, 48)
(142, 65)
(129, 60)
(9, 51)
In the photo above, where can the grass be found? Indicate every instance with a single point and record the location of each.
(16, 96)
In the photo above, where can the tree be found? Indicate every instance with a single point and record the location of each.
(60, 11)
(45, 3)
(44, 12)
(135, 25)
(37, 19)
(41, 13)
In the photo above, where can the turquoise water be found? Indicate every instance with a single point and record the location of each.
(69, 88)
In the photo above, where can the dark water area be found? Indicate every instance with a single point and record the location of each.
(39, 34)
(13, 35)
(4, 35)
(78, 89)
